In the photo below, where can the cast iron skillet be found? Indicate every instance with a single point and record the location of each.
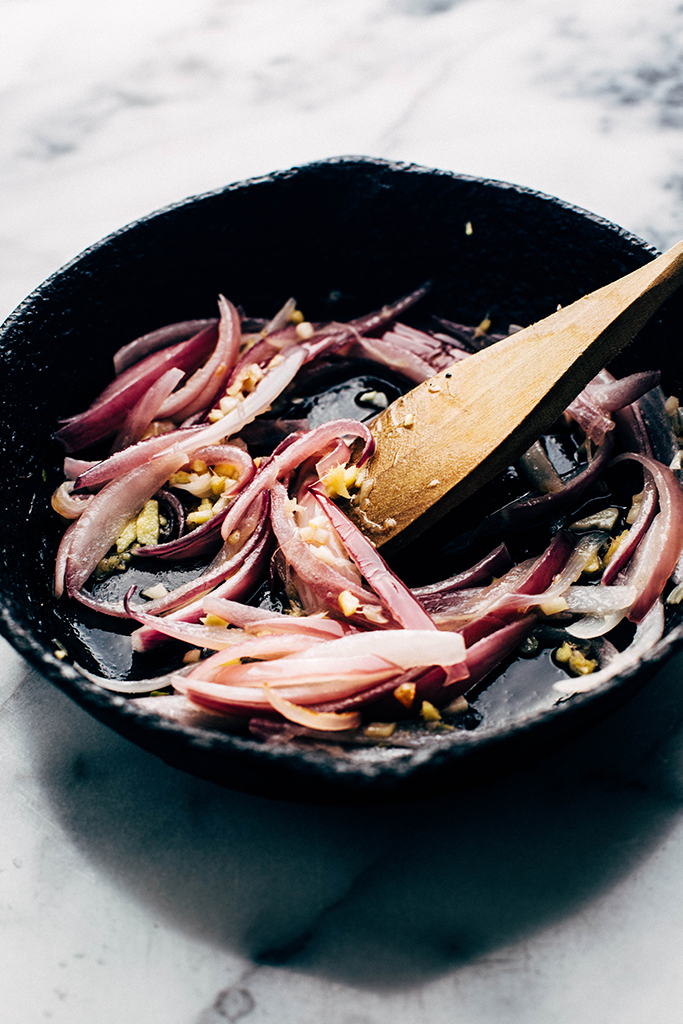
(344, 236)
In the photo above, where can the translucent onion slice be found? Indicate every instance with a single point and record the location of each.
(649, 630)
(326, 721)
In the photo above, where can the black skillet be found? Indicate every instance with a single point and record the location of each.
(344, 236)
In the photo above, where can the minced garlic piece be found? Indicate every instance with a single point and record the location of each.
(636, 502)
(458, 706)
(201, 514)
(199, 466)
(557, 604)
(181, 477)
(483, 327)
(429, 712)
(215, 415)
(314, 535)
(348, 603)
(595, 565)
(155, 592)
(128, 536)
(338, 480)
(575, 660)
(304, 330)
(676, 595)
(405, 694)
(296, 317)
(191, 656)
(379, 730)
(614, 546)
(213, 620)
(227, 469)
(217, 483)
(147, 523)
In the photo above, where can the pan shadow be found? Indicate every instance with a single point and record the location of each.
(376, 897)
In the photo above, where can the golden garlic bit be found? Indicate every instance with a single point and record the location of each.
(575, 660)
(379, 730)
(338, 480)
(143, 529)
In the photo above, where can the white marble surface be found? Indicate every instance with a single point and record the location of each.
(129, 891)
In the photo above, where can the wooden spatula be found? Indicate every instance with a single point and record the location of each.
(451, 434)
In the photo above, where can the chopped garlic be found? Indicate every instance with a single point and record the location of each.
(614, 546)
(181, 477)
(147, 524)
(338, 480)
(458, 706)
(575, 660)
(379, 730)
(429, 712)
(202, 514)
(296, 317)
(676, 595)
(304, 330)
(405, 694)
(128, 536)
(348, 603)
(191, 656)
(213, 620)
(155, 592)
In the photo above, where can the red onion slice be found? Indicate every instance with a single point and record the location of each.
(395, 595)
(109, 512)
(136, 350)
(201, 389)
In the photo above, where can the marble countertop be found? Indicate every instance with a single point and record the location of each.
(130, 891)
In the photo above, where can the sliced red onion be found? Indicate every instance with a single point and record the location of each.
(73, 468)
(108, 411)
(257, 619)
(146, 409)
(598, 601)
(220, 638)
(326, 582)
(67, 504)
(131, 687)
(109, 512)
(388, 353)
(525, 512)
(433, 596)
(136, 350)
(201, 389)
(289, 456)
(615, 394)
(395, 596)
(658, 551)
(323, 720)
(626, 549)
(648, 632)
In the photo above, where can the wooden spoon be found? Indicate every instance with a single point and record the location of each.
(454, 432)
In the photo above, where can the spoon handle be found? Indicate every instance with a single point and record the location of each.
(443, 440)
